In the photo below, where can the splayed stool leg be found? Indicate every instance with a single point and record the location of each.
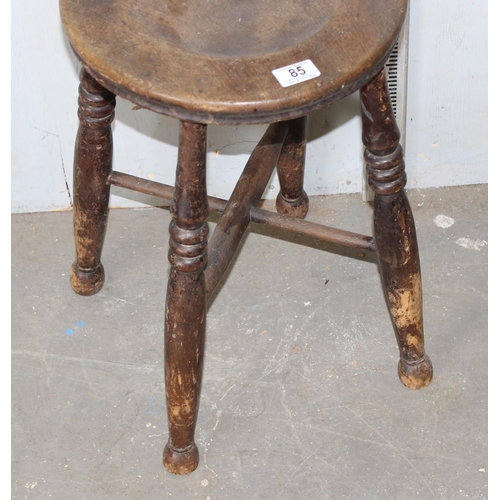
(395, 232)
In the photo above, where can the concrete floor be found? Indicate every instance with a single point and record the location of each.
(301, 399)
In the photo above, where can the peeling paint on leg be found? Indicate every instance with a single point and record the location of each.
(406, 304)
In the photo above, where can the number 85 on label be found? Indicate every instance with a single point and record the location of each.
(296, 73)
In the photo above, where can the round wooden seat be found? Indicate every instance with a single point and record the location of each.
(213, 60)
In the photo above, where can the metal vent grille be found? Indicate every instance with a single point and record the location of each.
(391, 72)
(396, 70)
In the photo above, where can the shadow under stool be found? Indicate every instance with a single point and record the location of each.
(231, 63)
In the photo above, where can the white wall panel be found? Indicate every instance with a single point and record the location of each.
(446, 131)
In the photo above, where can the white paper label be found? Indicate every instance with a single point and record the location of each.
(296, 73)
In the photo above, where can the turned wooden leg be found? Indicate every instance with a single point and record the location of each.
(186, 300)
(292, 199)
(92, 165)
(395, 231)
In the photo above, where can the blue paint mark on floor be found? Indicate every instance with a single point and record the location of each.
(80, 323)
(152, 404)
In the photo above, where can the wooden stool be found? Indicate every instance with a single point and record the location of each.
(231, 62)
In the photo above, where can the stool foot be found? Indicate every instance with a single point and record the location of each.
(296, 208)
(415, 375)
(180, 462)
(86, 282)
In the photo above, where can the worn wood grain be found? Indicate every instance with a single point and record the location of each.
(395, 231)
(92, 165)
(185, 318)
(213, 61)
